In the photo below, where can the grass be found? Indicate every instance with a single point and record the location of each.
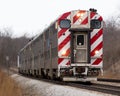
(8, 87)
(111, 75)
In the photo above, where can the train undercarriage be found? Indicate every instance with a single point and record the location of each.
(83, 73)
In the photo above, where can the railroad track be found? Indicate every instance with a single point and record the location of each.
(109, 80)
(115, 90)
(109, 89)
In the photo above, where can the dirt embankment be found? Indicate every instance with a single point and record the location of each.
(8, 87)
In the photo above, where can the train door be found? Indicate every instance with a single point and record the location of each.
(80, 47)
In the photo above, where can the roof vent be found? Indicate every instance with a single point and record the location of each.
(93, 10)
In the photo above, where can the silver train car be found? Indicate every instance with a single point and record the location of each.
(70, 49)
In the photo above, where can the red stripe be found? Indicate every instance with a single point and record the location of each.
(97, 61)
(61, 32)
(85, 21)
(100, 18)
(60, 60)
(97, 48)
(92, 14)
(65, 41)
(94, 38)
(65, 15)
(68, 63)
(76, 17)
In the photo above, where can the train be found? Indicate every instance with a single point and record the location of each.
(70, 49)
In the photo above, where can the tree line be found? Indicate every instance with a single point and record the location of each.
(9, 48)
(112, 45)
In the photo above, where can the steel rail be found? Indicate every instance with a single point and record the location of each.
(109, 89)
(109, 80)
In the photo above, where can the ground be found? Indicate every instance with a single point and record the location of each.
(34, 87)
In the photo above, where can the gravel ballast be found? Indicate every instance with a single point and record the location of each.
(32, 87)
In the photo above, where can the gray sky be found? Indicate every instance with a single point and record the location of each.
(32, 16)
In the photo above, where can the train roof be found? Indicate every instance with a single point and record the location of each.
(37, 36)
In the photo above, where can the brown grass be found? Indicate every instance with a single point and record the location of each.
(8, 87)
(110, 75)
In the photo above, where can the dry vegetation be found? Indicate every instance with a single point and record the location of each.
(8, 87)
(112, 48)
(10, 47)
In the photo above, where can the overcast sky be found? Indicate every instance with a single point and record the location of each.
(32, 16)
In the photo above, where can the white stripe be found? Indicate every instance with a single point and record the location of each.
(75, 13)
(100, 64)
(96, 16)
(96, 43)
(68, 16)
(92, 60)
(64, 62)
(100, 52)
(59, 28)
(63, 37)
(94, 32)
(82, 19)
(67, 46)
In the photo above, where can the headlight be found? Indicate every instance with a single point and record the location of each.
(63, 53)
(96, 52)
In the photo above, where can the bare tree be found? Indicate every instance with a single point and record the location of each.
(111, 44)
(10, 47)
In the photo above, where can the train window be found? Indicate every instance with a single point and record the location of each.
(95, 24)
(65, 23)
(80, 40)
(47, 34)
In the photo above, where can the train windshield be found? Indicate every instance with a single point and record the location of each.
(95, 24)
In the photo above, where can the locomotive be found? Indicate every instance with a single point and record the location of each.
(70, 49)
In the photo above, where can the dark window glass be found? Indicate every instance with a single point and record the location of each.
(80, 40)
(95, 24)
(65, 23)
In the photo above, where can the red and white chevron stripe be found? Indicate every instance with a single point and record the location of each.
(64, 43)
(96, 45)
(96, 42)
(80, 17)
(96, 39)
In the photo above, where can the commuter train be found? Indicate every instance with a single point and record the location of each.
(70, 49)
